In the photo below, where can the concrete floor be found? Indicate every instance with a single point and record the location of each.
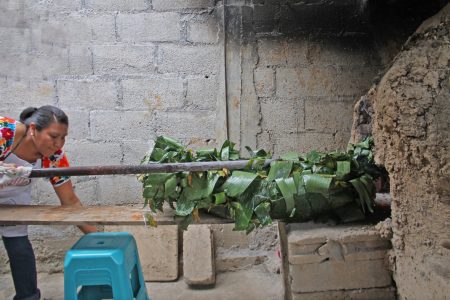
(254, 283)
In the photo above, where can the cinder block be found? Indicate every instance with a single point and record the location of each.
(272, 52)
(338, 275)
(164, 5)
(14, 40)
(282, 115)
(134, 151)
(148, 27)
(204, 59)
(185, 124)
(328, 116)
(153, 93)
(78, 28)
(304, 142)
(117, 5)
(387, 293)
(17, 94)
(298, 52)
(88, 94)
(264, 82)
(119, 190)
(265, 17)
(86, 190)
(203, 31)
(202, 92)
(125, 125)
(86, 153)
(123, 59)
(233, 260)
(80, 59)
(78, 125)
(158, 250)
(198, 256)
(354, 81)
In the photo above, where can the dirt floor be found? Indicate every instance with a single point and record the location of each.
(248, 284)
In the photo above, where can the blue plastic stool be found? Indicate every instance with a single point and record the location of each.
(104, 265)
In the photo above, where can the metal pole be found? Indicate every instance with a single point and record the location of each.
(143, 169)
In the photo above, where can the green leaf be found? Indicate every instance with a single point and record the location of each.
(315, 183)
(288, 189)
(294, 156)
(184, 206)
(364, 195)
(262, 212)
(242, 215)
(343, 168)
(220, 198)
(279, 169)
(238, 182)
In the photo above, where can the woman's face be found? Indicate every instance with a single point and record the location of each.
(50, 139)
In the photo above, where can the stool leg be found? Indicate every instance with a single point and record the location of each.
(95, 292)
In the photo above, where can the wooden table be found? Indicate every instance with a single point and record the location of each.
(93, 215)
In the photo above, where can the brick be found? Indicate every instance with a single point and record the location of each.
(298, 52)
(78, 124)
(272, 52)
(111, 190)
(282, 115)
(80, 59)
(203, 31)
(203, 59)
(198, 256)
(164, 5)
(203, 92)
(117, 5)
(15, 40)
(264, 82)
(78, 28)
(158, 250)
(387, 293)
(226, 237)
(122, 125)
(355, 81)
(148, 27)
(123, 59)
(230, 261)
(153, 93)
(88, 94)
(91, 154)
(185, 124)
(328, 116)
(134, 151)
(337, 275)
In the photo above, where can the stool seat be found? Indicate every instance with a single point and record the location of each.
(104, 265)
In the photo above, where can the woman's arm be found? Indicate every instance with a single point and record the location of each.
(67, 196)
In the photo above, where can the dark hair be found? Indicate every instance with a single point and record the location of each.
(43, 116)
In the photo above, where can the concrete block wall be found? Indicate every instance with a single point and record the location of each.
(124, 72)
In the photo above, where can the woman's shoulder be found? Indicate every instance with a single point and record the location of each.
(7, 132)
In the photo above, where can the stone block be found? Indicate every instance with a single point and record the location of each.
(198, 256)
(265, 17)
(153, 93)
(124, 125)
(203, 92)
(338, 275)
(304, 142)
(204, 59)
(282, 115)
(226, 237)
(119, 190)
(88, 94)
(264, 82)
(86, 190)
(354, 81)
(158, 250)
(325, 116)
(233, 260)
(19, 94)
(80, 59)
(203, 31)
(185, 124)
(123, 59)
(117, 5)
(148, 27)
(164, 5)
(87, 153)
(387, 293)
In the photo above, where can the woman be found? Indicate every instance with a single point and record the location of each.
(35, 141)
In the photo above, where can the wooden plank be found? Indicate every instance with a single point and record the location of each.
(93, 215)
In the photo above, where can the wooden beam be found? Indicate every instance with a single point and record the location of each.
(93, 215)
